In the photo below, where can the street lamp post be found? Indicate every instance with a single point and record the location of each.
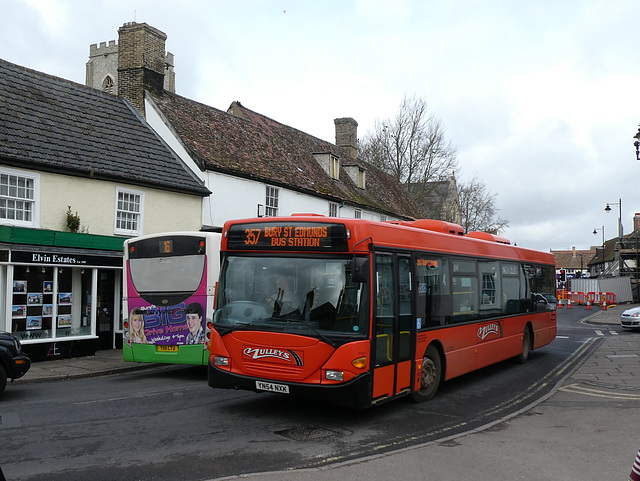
(581, 266)
(595, 231)
(637, 143)
(607, 209)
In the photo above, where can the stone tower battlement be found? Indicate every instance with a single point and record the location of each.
(103, 49)
(143, 51)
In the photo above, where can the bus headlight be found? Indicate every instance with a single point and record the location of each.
(221, 361)
(334, 375)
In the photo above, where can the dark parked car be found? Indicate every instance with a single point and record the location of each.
(13, 362)
(546, 301)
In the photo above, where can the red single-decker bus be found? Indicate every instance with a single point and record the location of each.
(358, 312)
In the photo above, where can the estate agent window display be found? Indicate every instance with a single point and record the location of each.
(50, 302)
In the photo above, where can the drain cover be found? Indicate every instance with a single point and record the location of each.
(304, 433)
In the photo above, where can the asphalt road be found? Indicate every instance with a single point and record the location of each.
(166, 423)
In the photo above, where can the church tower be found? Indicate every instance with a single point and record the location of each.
(102, 66)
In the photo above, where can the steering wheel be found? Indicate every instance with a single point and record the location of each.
(244, 311)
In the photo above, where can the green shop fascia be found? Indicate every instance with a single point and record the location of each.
(61, 291)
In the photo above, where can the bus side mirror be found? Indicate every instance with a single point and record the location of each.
(360, 269)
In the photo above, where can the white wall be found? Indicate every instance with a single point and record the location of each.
(95, 202)
(237, 198)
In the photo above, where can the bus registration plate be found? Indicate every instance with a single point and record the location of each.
(163, 348)
(269, 386)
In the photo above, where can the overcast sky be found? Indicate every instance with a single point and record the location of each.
(540, 98)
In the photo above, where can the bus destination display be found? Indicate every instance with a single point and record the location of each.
(304, 236)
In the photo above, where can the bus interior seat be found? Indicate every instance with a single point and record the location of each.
(324, 315)
(327, 294)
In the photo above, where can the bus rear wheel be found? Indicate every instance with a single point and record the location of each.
(526, 346)
(430, 375)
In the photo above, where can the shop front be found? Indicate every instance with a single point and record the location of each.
(62, 291)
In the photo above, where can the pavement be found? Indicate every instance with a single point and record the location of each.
(587, 428)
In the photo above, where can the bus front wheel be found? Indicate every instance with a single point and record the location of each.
(430, 375)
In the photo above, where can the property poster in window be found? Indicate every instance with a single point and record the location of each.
(64, 320)
(34, 299)
(64, 298)
(34, 322)
(19, 310)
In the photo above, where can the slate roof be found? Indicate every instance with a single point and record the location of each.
(51, 124)
(257, 147)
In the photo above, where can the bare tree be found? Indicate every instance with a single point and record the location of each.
(478, 208)
(411, 147)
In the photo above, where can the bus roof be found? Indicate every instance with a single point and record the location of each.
(272, 234)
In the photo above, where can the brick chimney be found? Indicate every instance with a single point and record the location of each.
(636, 222)
(347, 135)
(141, 62)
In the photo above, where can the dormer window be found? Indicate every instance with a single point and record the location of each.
(357, 175)
(330, 163)
(334, 169)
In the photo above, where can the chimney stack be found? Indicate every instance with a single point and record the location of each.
(347, 135)
(141, 62)
(636, 222)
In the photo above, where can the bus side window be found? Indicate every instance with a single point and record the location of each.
(510, 288)
(490, 294)
(465, 293)
(433, 302)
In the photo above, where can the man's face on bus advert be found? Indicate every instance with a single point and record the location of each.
(193, 322)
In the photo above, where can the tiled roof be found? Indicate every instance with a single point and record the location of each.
(51, 124)
(251, 145)
(572, 260)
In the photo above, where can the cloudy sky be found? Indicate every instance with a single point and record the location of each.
(541, 99)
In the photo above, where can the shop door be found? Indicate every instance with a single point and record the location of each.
(105, 309)
(394, 330)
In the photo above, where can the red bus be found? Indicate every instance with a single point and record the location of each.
(359, 312)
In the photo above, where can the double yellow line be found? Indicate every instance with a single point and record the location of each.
(589, 391)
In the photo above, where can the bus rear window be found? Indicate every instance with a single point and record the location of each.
(168, 274)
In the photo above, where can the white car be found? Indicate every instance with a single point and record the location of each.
(631, 318)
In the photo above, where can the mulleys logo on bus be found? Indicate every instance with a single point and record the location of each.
(260, 353)
(488, 330)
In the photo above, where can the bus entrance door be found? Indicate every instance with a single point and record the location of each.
(393, 329)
